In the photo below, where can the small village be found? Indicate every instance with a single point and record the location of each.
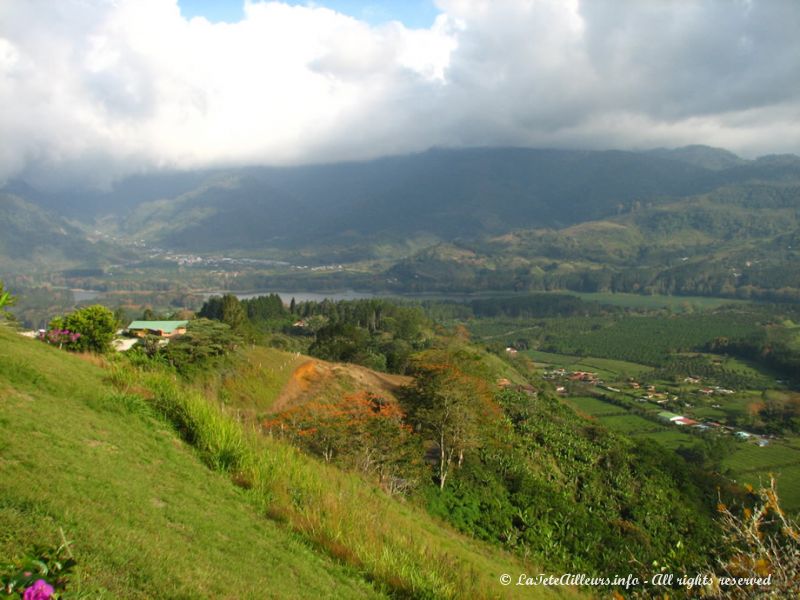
(569, 382)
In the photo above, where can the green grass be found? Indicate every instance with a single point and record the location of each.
(147, 519)
(631, 424)
(190, 504)
(594, 407)
(752, 464)
(672, 438)
(749, 457)
(257, 380)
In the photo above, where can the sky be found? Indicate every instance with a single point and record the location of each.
(94, 90)
(411, 13)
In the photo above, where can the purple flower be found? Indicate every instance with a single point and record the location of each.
(41, 590)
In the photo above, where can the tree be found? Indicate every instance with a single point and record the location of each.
(94, 325)
(205, 343)
(225, 308)
(358, 431)
(233, 314)
(448, 406)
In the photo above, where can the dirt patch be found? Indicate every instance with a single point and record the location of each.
(317, 379)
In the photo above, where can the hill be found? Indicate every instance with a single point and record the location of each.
(737, 240)
(131, 496)
(148, 518)
(31, 237)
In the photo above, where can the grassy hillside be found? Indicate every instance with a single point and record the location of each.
(97, 452)
(146, 517)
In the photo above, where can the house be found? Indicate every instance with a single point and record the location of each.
(584, 376)
(684, 421)
(164, 329)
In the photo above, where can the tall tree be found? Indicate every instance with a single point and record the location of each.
(233, 314)
(447, 406)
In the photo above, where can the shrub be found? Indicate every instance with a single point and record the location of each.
(88, 329)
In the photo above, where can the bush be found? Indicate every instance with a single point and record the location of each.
(89, 329)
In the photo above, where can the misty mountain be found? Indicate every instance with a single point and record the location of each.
(700, 156)
(446, 194)
(32, 237)
(739, 240)
(435, 195)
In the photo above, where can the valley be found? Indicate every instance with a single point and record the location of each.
(488, 379)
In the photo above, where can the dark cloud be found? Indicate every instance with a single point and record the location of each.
(94, 89)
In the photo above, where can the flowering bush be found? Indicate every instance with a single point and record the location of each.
(59, 337)
(96, 325)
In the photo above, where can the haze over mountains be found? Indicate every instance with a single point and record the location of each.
(693, 220)
(441, 194)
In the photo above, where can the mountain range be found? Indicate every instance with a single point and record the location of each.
(490, 210)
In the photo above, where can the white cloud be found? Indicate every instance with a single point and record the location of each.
(95, 89)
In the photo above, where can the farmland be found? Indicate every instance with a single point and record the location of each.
(623, 412)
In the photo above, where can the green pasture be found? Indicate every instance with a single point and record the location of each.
(594, 407)
(607, 368)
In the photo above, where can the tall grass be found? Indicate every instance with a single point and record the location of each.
(397, 546)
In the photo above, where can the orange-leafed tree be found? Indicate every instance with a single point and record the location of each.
(359, 431)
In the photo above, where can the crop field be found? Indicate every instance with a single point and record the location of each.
(749, 457)
(789, 487)
(664, 351)
(639, 339)
(631, 424)
(672, 438)
(788, 479)
(595, 407)
(607, 368)
(673, 303)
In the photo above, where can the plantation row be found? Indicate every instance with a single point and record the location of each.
(643, 339)
(708, 371)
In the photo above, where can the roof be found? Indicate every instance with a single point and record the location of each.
(165, 326)
(668, 415)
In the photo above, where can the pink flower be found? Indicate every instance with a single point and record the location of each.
(41, 590)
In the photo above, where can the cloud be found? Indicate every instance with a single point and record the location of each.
(93, 90)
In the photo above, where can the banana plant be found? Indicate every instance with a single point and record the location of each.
(6, 299)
